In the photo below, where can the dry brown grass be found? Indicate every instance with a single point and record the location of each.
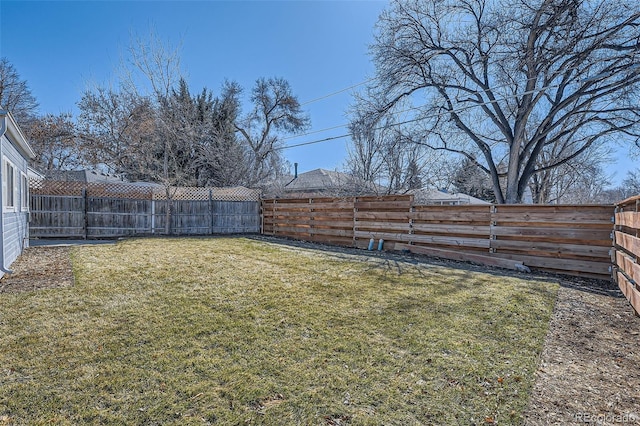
(230, 331)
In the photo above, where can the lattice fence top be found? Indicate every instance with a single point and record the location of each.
(140, 191)
(93, 189)
(238, 193)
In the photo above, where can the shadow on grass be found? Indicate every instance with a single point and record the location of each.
(400, 262)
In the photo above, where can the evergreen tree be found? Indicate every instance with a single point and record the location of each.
(471, 180)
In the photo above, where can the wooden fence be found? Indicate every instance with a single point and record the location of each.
(626, 253)
(573, 240)
(77, 210)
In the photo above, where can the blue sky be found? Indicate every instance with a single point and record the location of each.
(320, 47)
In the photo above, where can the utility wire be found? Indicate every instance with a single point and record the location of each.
(435, 115)
(479, 92)
(344, 125)
(314, 132)
(337, 92)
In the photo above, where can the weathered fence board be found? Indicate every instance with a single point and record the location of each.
(628, 242)
(558, 233)
(464, 256)
(626, 255)
(628, 264)
(100, 217)
(553, 249)
(57, 216)
(573, 240)
(451, 229)
(629, 289)
(588, 267)
(377, 216)
(628, 219)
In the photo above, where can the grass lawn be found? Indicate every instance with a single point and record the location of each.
(240, 331)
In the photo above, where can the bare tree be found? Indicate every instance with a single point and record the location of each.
(630, 186)
(369, 138)
(15, 95)
(117, 128)
(589, 187)
(55, 141)
(151, 127)
(276, 112)
(553, 185)
(381, 150)
(404, 164)
(151, 67)
(502, 82)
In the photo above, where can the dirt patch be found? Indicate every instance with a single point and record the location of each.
(588, 370)
(39, 268)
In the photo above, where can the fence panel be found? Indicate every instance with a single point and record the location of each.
(382, 218)
(324, 220)
(115, 217)
(81, 210)
(573, 240)
(236, 217)
(626, 254)
(463, 227)
(57, 216)
(191, 217)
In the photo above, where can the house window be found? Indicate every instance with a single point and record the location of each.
(8, 185)
(24, 195)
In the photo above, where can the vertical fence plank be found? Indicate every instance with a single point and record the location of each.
(211, 212)
(85, 203)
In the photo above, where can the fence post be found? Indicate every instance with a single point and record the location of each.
(355, 211)
(211, 221)
(637, 209)
(153, 215)
(261, 211)
(85, 199)
(411, 210)
(275, 207)
(311, 218)
(492, 225)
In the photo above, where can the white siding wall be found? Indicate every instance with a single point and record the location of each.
(16, 223)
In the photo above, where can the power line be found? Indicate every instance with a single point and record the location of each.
(301, 135)
(435, 115)
(312, 142)
(390, 113)
(344, 125)
(337, 92)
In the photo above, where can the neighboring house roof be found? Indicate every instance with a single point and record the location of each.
(318, 182)
(319, 179)
(82, 176)
(34, 174)
(435, 196)
(9, 127)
